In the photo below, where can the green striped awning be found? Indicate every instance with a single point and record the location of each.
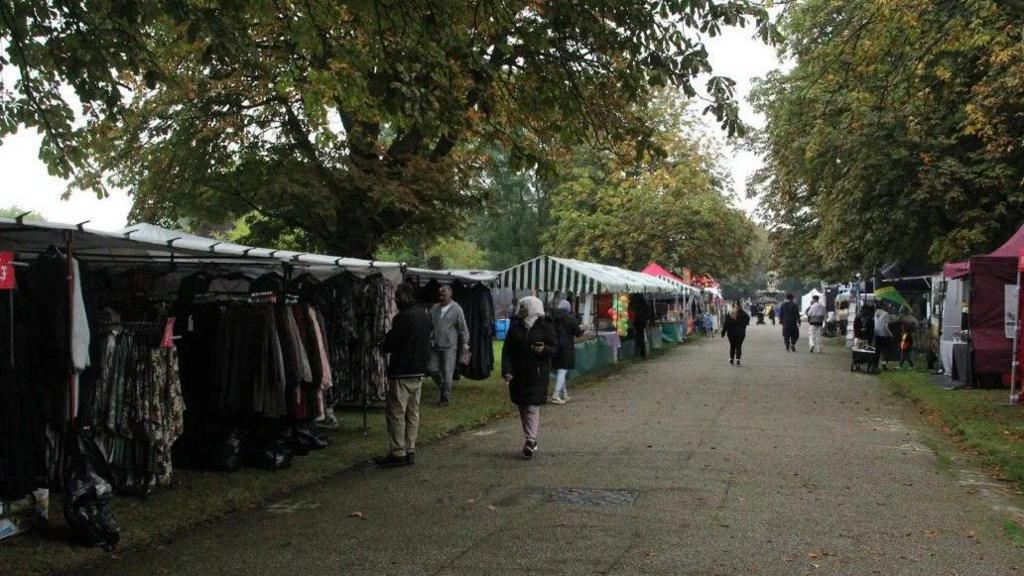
(550, 274)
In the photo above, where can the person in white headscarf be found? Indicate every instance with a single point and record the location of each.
(567, 329)
(526, 363)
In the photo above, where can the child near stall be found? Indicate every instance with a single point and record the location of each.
(709, 325)
(907, 346)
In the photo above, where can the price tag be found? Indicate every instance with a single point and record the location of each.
(7, 271)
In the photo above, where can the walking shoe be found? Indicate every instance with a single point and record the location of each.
(738, 364)
(443, 403)
(730, 360)
(565, 398)
(390, 461)
(410, 458)
(529, 449)
(557, 400)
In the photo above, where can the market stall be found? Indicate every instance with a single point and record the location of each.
(673, 310)
(988, 286)
(165, 349)
(606, 297)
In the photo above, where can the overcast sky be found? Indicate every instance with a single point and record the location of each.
(26, 183)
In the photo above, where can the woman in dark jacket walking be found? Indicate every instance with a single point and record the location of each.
(735, 327)
(526, 364)
(567, 328)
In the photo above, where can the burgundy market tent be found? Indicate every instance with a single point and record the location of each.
(1013, 247)
(990, 277)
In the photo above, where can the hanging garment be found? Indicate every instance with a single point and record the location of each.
(22, 398)
(337, 298)
(137, 410)
(478, 306)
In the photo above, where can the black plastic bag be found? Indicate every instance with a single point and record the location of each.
(88, 481)
(228, 455)
(266, 454)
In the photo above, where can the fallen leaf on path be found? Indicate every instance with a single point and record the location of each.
(931, 533)
(972, 535)
(492, 507)
(357, 515)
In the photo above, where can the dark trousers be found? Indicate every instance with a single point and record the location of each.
(882, 345)
(907, 356)
(641, 342)
(790, 333)
(735, 347)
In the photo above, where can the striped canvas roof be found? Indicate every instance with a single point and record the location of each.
(549, 274)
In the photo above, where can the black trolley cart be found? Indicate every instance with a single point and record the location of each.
(864, 357)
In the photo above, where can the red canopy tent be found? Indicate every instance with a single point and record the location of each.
(658, 271)
(989, 276)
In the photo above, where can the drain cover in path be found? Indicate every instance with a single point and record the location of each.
(594, 497)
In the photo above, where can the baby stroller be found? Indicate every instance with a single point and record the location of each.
(864, 356)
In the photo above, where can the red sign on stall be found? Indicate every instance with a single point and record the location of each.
(7, 271)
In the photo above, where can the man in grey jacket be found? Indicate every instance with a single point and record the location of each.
(450, 330)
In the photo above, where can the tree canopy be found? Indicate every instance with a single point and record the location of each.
(897, 135)
(340, 125)
(669, 206)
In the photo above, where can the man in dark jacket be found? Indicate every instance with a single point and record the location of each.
(408, 343)
(789, 317)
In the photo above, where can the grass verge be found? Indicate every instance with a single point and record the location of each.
(982, 420)
(198, 497)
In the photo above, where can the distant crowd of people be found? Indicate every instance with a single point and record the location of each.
(873, 326)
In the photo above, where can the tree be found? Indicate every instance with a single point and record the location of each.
(343, 124)
(514, 215)
(667, 206)
(13, 212)
(895, 137)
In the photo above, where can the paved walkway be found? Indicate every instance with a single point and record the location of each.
(680, 466)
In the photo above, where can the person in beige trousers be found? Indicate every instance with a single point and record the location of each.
(408, 346)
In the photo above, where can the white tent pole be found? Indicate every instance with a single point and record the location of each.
(1016, 335)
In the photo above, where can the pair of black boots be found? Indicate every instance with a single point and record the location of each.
(390, 461)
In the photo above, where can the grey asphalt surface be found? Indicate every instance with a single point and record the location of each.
(789, 465)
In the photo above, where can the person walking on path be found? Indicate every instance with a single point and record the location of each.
(526, 365)
(883, 336)
(816, 320)
(567, 329)
(907, 345)
(771, 314)
(408, 346)
(789, 317)
(450, 330)
(735, 327)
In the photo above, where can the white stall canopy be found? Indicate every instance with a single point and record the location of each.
(551, 274)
